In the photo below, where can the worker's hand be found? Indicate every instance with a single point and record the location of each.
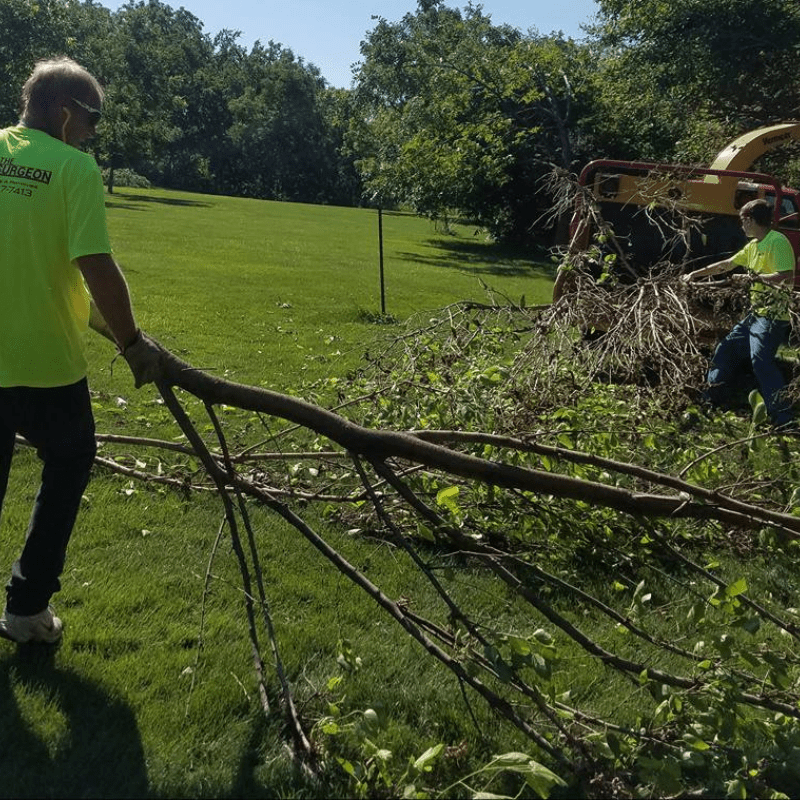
(741, 279)
(145, 358)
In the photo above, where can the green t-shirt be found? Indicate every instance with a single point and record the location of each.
(772, 254)
(52, 211)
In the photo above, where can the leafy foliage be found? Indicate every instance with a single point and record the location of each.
(450, 113)
(183, 109)
(675, 591)
(458, 113)
(30, 31)
(693, 72)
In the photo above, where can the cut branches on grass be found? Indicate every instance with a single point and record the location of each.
(487, 557)
(517, 674)
(269, 295)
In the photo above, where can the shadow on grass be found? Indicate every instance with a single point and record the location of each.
(482, 259)
(133, 200)
(259, 776)
(124, 206)
(69, 738)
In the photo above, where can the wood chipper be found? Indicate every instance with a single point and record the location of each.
(638, 218)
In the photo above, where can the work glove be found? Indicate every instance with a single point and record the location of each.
(743, 279)
(145, 358)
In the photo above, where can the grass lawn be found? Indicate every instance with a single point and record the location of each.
(152, 693)
(281, 292)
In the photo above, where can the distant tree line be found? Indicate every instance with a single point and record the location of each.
(449, 113)
(187, 110)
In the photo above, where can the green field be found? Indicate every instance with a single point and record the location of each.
(153, 691)
(272, 291)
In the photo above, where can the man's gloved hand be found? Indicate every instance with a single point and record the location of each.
(743, 279)
(145, 358)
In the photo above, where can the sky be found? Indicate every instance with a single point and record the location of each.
(328, 33)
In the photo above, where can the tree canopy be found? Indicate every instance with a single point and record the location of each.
(183, 109)
(457, 113)
(679, 80)
(450, 113)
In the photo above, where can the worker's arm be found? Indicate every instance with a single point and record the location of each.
(112, 315)
(778, 278)
(111, 312)
(718, 268)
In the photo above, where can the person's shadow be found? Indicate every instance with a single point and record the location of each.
(67, 738)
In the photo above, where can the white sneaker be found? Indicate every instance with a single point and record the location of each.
(42, 627)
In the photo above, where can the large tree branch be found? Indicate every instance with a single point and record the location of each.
(384, 444)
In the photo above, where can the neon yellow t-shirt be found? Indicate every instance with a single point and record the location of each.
(52, 211)
(772, 254)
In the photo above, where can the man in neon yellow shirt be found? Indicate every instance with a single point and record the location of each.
(754, 341)
(53, 245)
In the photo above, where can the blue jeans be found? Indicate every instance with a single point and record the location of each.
(58, 422)
(752, 344)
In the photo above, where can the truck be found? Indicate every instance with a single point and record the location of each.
(657, 214)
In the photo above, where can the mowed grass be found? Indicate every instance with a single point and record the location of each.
(285, 291)
(152, 693)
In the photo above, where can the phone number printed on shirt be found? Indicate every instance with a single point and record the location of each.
(10, 188)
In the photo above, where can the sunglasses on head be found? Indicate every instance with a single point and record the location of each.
(94, 114)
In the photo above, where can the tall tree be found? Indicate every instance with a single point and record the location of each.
(459, 114)
(148, 62)
(279, 136)
(30, 31)
(680, 78)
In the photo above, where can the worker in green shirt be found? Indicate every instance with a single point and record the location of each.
(56, 270)
(753, 342)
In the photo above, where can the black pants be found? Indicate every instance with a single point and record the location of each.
(58, 422)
